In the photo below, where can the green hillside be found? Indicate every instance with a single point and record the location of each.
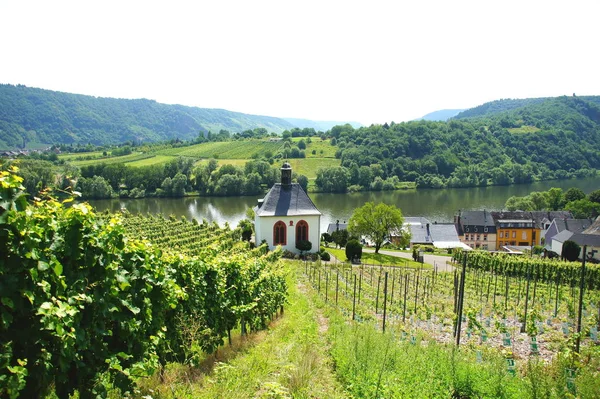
(30, 117)
(503, 142)
(494, 107)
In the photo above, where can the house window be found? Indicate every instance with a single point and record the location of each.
(501, 234)
(485, 237)
(514, 234)
(533, 236)
(523, 235)
(279, 233)
(478, 237)
(301, 231)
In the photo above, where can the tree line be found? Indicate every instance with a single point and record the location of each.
(172, 179)
(573, 200)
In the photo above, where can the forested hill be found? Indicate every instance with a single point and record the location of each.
(540, 139)
(525, 105)
(30, 117)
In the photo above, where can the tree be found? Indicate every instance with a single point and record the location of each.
(353, 250)
(583, 209)
(303, 182)
(376, 222)
(570, 251)
(303, 245)
(574, 194)
(340, 238)
(594, 196)
(519, 204)
(334, 179)
(539, 200)
(247, 227)
(556, 199)
(327, 238)
(96, 187)
(178, 185)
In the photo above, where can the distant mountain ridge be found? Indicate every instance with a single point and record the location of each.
(32, 117)
(441, 115)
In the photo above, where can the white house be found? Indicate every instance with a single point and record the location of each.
(590, 237)
(287, 215)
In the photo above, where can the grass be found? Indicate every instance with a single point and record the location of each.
(121, 159)
(373, 364)
(322, 148)
(153, 160)
(379, 259)
(286, 361)
(75, 155)
(309, 166)
(245, 149)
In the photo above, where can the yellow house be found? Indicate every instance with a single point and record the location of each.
(517, 232)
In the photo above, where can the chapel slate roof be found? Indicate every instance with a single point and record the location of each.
(287, 200)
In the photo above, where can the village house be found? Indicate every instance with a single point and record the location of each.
(286, 215)
(476, 229)
(438, 235)
(589, 237)
(559, 225)
(523, 228)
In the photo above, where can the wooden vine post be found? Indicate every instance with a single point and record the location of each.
(524, 325)
(581, 289)
(461, 299)
(385, 285)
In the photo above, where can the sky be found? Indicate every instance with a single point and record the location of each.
(365, 61)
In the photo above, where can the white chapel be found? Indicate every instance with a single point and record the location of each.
(287, 215)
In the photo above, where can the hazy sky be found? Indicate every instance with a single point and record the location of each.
(366, 61)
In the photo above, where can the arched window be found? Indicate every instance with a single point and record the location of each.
(279, 236)
(301, 231)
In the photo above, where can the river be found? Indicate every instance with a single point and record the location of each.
(435, 205)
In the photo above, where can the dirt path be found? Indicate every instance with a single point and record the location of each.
(322, 321)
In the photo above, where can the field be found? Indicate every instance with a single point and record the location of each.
(245, 149)
(322, 148)
(234, 152)
(152, 160)
(80, 155)
(121, 159)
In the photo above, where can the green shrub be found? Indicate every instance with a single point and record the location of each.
(353, 250)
